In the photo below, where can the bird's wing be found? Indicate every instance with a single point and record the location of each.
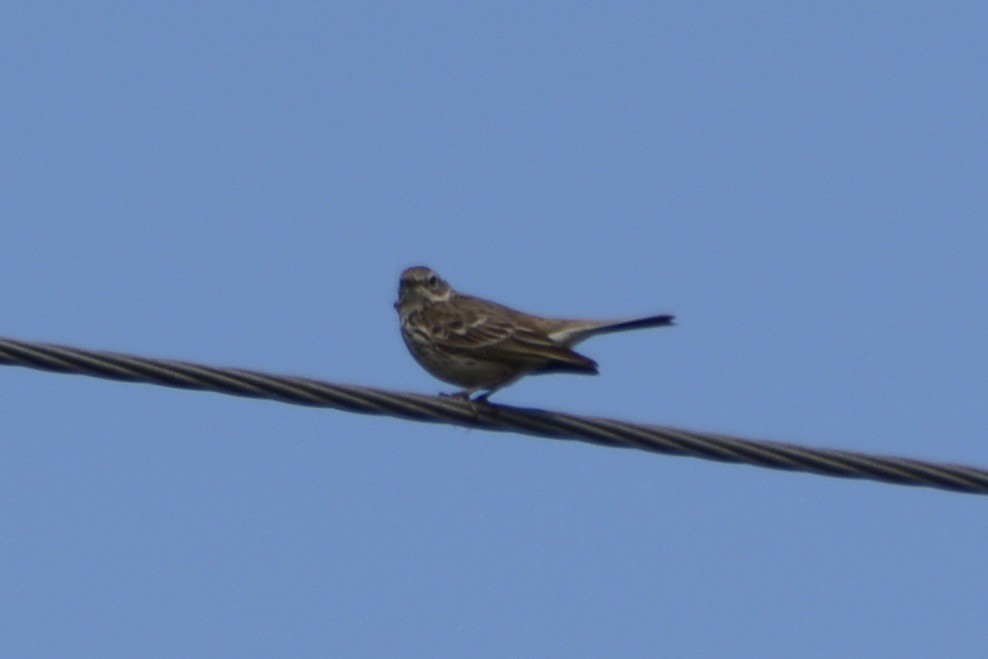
(487, 331)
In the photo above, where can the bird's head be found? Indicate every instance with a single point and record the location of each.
(419, 286)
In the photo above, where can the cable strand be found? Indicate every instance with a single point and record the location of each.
(489, 416)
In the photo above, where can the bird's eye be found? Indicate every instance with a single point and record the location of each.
(432, 281)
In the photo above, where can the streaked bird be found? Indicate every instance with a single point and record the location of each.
(483, 346)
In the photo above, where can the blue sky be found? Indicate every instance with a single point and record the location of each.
(241, 184)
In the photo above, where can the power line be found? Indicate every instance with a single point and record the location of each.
(485, 416)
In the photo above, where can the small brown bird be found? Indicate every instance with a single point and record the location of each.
(484, 346)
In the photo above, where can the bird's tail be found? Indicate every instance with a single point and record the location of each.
(575, 331)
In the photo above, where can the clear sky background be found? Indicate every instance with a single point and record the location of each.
(239, 184)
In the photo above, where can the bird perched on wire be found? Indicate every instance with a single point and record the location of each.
(483, 346)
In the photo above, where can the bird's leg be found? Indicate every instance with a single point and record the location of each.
(482, 398)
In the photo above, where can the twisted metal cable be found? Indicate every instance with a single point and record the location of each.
(486, 416)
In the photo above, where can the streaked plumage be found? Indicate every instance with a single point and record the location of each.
(484, 346)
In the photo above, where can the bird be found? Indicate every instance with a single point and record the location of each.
(483, 346)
